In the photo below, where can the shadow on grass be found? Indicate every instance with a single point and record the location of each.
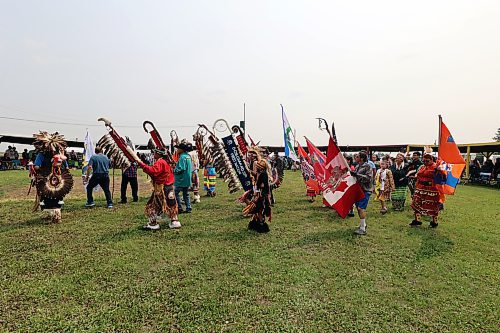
(182, 234)
(241, 234)
(346, 235)
(433, 243)
(26, 224)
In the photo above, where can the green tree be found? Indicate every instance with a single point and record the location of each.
(497, 136)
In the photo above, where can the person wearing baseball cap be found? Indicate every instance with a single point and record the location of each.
(182, 174)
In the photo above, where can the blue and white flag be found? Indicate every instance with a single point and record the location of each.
(289, 137)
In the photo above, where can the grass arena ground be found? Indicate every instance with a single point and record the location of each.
(97, 271)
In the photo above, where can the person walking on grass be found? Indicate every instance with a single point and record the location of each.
(99, 166)
(364, 176)
(399, 170)
(129, 176)
(182, 174)
(384, 185)
(426, 199)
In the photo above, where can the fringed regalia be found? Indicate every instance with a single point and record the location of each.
(312, 185)
(384, 184)
(209, 180)
(51, 175)
(426, 197)
(398, 196)
(162, 201)
(162, 198)
(260, 206)
(195, 178)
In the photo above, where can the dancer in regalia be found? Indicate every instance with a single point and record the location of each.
(384, 185)
(426, 199)
(260, 207)
(195, 178)
(399, 170)
(253, 157)
(50, 174)
(209, 179)
(163, 197)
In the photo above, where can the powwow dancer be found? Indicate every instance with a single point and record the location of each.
(399, 171)
(413, 167)
(50, 174)
(426, 199)
(384, 185)
(253, 157)
(195, 178)
(260, 207)
(312, 186)
(209, 174)
(162, 199)
(209, 180)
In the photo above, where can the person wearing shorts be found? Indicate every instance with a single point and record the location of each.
(364, 176)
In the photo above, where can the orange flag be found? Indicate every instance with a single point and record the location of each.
(451, 161)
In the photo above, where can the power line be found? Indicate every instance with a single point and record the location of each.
(87, 125)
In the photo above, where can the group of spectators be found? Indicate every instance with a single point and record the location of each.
(12, 159)
(484, 172)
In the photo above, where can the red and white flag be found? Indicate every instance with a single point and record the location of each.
(318, 161)
(341, 190)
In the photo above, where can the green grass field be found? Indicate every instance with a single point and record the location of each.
(97, 271)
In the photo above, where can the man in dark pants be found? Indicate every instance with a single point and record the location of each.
(99, 164)
(129, 176)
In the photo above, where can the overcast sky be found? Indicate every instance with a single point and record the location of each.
(382, 70)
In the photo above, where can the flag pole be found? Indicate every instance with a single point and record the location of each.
(439, 132)
(294, 138)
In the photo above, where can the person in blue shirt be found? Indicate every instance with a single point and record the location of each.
(99, 164)
(182, 174)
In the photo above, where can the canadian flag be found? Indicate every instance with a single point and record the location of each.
(341, 190)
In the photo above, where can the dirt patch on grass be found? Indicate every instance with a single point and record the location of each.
(19, 190)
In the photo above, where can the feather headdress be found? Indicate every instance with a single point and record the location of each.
(49, 142)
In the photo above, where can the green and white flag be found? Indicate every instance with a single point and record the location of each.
(289, 137)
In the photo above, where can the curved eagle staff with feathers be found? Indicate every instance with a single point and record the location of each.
(209, 172)
(116, 148)
(337, 174)
(323, 125)
(156, 142)
(174, 141)
(198, 138)
(276, 167)
(51, 176)
(214, 152)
